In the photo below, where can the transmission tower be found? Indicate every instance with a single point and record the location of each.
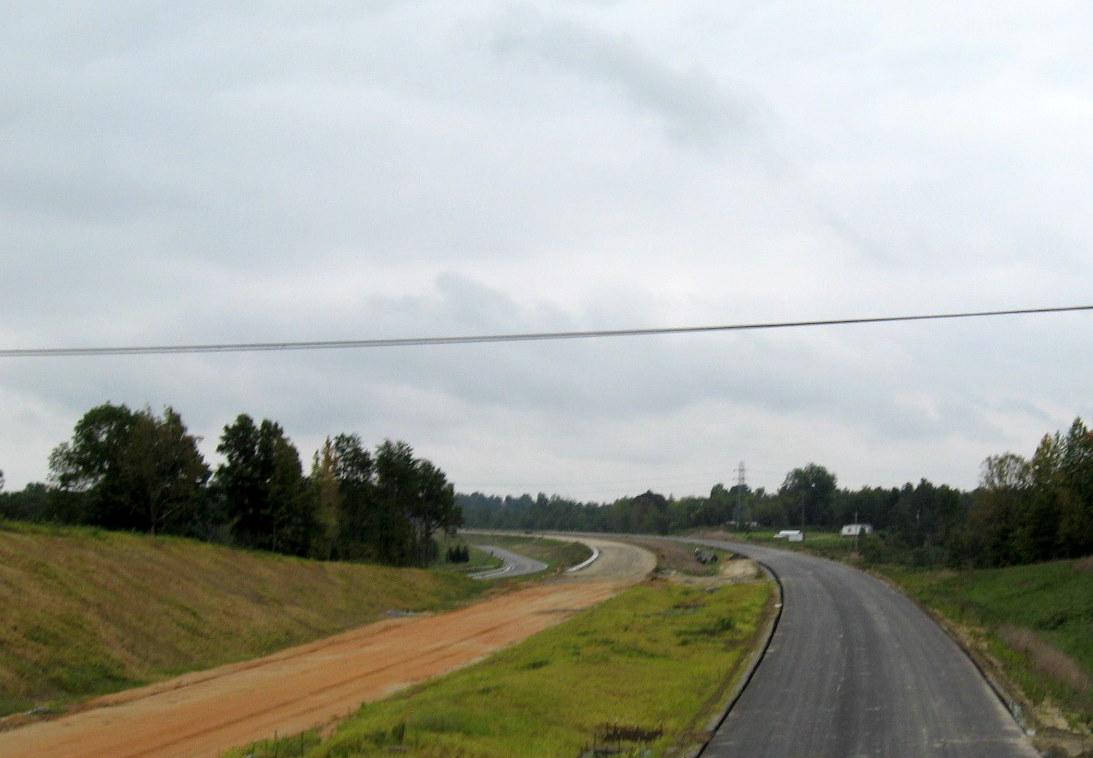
(743, 512)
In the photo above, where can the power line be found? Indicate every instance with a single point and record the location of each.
(245, 347)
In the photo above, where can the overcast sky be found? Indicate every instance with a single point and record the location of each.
(231, 171)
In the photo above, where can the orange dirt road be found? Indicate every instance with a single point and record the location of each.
(202, 714)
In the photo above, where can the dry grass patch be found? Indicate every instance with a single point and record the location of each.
(1046, 658)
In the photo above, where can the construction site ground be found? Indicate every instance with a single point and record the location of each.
(202, 714)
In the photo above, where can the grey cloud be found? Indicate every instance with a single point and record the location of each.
(251, 171)
(695, 108)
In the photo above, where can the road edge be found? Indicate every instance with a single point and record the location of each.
(1011, 697)
(758, 653)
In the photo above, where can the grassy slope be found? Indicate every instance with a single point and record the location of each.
(87, 612)
(656, 659)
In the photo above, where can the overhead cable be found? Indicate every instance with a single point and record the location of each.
(244, 347)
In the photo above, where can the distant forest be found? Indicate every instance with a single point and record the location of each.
(139, 471)
(1023, 511)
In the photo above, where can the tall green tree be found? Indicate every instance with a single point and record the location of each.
(1076, 492)
(396, 488)
(263, 488)
(412, 500)
(808, 493)
(647, 514)
(432, 510)
(1037, 530)
(86, 469)
(997, 507)
(923, 514)
(358, 520)
(163, 474)
(131, 470)
(328, 502)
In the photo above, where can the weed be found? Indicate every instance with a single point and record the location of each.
(294, 746)
(1050, 660)
(588, 678)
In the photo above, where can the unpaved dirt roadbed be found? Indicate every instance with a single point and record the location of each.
(205, 713)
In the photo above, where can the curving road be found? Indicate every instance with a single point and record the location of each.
(856, 670)
(513, 564)
(614, 560)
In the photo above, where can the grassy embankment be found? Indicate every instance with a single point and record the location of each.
(643, 672)
(86, 612)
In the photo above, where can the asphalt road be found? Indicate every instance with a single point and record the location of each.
(614, 561)
(513, 564)
(856, 670)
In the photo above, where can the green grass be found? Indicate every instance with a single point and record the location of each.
(87, 612)
(1037, 621)
(480, 560)
(825, 544)
(654, 662)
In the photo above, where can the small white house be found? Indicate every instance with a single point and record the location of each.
(790, 535)
(856, 530)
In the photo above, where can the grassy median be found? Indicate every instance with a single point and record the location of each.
(643, 672)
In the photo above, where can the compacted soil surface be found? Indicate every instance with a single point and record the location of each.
(314, 685)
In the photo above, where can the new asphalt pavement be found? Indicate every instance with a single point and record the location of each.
(513, 564)
(856, 670)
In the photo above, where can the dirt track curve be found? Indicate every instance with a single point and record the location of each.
(200, 715)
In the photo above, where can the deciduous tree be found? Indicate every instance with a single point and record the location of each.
(1076, 492)
(809, 491)
(265, 494)
(126, 470)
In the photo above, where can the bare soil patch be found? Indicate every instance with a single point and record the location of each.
(315, 685)
(675, 556)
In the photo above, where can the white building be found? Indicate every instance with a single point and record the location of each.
(855, 530)
(790, 535)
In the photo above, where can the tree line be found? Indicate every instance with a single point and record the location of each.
(142, 471)
(137, 470)
(1023, 511)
